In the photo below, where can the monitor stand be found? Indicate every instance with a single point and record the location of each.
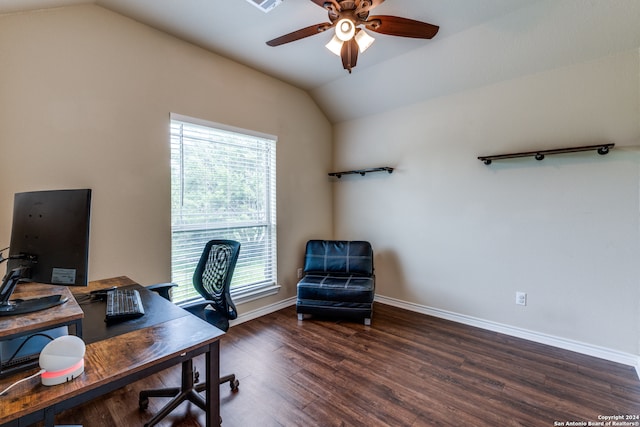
(20, 306)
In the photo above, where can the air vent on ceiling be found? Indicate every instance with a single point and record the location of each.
(265, 5)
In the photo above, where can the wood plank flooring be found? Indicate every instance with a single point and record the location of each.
(406, 369)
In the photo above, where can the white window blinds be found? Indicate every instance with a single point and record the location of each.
(222, 187)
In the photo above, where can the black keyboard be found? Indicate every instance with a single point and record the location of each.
(123, 304)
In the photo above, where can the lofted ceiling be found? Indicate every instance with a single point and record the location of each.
(480, 42)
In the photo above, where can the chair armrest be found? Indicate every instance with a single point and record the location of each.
(195, 307)
(162, 289)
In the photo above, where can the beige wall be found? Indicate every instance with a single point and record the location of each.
(85, 98)
(455, 235)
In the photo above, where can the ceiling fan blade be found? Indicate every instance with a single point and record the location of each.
(300, 34)
(404, 27)
(349, 54)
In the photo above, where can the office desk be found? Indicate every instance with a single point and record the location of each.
(116, 361)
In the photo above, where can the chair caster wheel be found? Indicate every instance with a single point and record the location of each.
(234, 385)
(143, 404)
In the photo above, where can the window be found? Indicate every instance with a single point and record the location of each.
(222, 187)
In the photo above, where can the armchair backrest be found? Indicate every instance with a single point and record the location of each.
(339, 257)
(212, 277)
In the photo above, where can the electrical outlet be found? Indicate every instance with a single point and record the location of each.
(299, 273)
(521, 298)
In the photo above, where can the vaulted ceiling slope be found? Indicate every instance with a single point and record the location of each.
(480, 42)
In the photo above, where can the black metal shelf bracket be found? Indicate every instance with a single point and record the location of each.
(602, 149)
(362, 172)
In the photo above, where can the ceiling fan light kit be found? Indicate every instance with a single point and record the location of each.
(346, 17)
(335, 45)
(345, 29)
(364, 40)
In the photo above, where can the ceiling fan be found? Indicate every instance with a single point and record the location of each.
(347, 16)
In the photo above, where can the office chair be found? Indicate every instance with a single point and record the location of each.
(212, 280)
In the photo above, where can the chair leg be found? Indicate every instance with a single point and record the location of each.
(231, 379)
(188, 391)
(189, 395)
(185, 392)
(160, 392)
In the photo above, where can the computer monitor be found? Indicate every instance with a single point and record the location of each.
(49, 244)
(50, 236)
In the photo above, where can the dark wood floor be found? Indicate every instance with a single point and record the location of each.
(407, 369)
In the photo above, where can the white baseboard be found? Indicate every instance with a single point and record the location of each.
(564, 343)
(263, 311)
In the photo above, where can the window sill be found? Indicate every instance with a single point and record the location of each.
(245, 295)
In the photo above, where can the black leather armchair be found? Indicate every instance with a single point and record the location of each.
(339, 280)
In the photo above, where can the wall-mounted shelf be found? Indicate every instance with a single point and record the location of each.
(602, 149)
(362, 172)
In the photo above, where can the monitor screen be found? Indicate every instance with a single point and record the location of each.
(50, 236)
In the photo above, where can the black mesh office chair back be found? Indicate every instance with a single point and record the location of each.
(212, 280)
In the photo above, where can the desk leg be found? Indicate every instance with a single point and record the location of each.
(212, 365)
(49, 417)
(79, 328)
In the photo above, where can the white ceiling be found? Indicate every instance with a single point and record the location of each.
(479, 42)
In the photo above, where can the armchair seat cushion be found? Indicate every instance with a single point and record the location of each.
(336, 288)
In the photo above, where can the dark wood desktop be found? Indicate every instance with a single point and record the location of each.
(67, 314)
(113, 362)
